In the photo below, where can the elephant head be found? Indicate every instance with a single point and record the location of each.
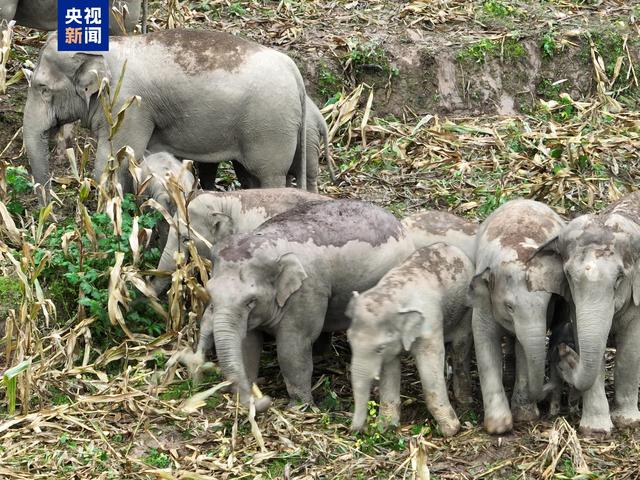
(503, 290)
(246, 294)
(599, 257)
(377, 335)
(61, 90)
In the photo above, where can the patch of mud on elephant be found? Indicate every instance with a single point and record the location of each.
(442, 222)
(521, 238)
(321, 231)
(224, 52)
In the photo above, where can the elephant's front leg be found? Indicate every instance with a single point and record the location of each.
(627, 373)
(596, 420)
(429, 355)
(522, 408)
(300, 326)
(461, 351)
(390, 392)
(486, 337)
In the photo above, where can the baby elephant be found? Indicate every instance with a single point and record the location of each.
(154, 172)
(292, 277)
(431, 226)
(216, 215)
(417, 307)
(561, 337)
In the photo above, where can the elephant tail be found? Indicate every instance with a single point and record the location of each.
(302, 132)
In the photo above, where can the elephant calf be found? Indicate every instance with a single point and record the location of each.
(216, 215)
(154, 172)
(503, 305)
(292, 277)
(417, 306)
(431, 226)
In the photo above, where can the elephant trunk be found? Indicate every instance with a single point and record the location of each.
(361, 379)
(533, 338)
(229, 329)
(593, 322)
(36, 130)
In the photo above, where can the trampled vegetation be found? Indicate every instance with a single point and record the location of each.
(85, 393)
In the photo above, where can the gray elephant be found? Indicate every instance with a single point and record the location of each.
(216, 215)
(560, 338)
(153, 175)
(417, 307)
(292, 277)
(43, 14)
(503, 305)
(217, 97)
(599, 254)
(431, 226)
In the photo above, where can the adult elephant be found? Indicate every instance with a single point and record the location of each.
(503, 305)
(43, 14)
(207, 96)
(600, 256)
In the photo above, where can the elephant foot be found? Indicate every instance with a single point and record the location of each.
(389, 414)
(554, 408)
(525, 413)
(595, 427)
(449, 427)
(498, 424)
(263, 403)
(628, 418)
(299, 404)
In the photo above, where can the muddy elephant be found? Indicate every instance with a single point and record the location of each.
(431, 226)
(217, 97)
(214, 216)
(600, 256)
(292, 277)
(503, 305)
(417, 307)
(153, 174)
(43, 14)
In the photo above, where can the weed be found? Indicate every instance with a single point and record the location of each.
(368, 56)
(478, 52)
(331, 402)
(178, 390)
(329, 84)
(18, 184)
(158, 459)
(237, 9)
(548, 45)
(79, 274)
(497, 8)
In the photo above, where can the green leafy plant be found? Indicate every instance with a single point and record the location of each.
(497, 8)
(368, 56)
(548, 45)
(80, 269)
(158, 459)
(18, 184)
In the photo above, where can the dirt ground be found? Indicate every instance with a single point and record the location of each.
(458, 105)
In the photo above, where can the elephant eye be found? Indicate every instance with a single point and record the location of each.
(251, 303)
(508, 306)
(380, 349)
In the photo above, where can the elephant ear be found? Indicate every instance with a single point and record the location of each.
(221, 226)
(290, 277)
(411, 326)
(92, 68)
(479, 292)
(544, 270)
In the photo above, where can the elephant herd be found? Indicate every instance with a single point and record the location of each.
(296, 266)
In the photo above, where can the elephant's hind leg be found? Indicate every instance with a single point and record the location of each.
(627, 376)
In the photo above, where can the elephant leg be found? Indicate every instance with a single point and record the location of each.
(429, 355)
(461, 351)
(522, 408)
(251, 350)
(555, 401)
(207, 173)
(486, 336)
(595, 420)
(390, 392)
(294, 341)
(275, 181)
(627, 376)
